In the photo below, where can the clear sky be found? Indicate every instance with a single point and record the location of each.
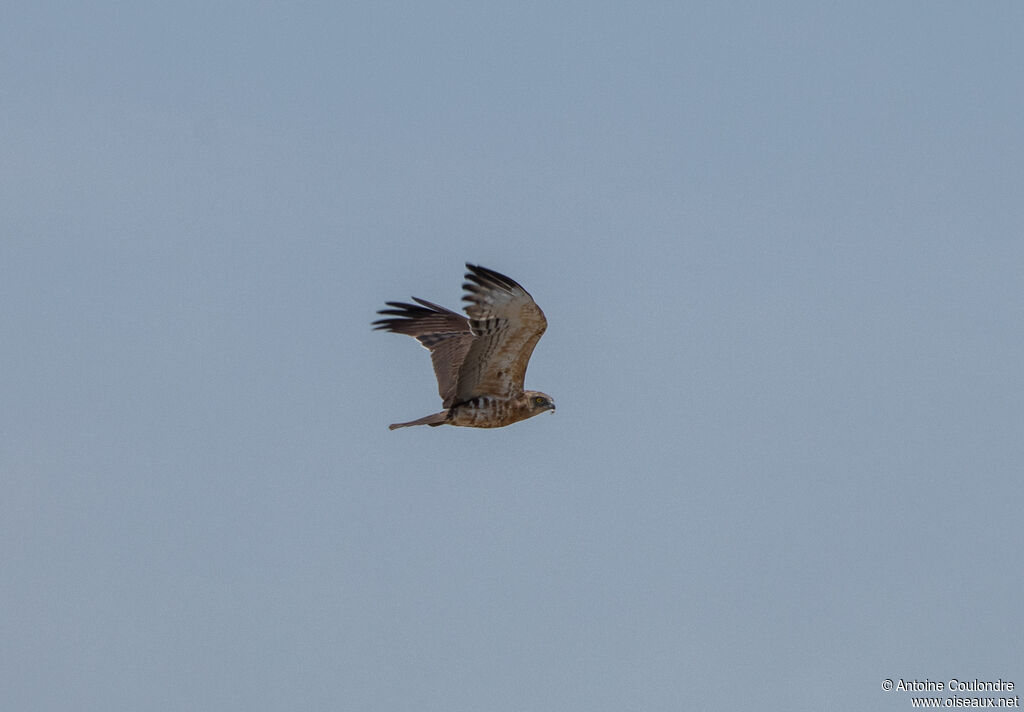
(780, 247)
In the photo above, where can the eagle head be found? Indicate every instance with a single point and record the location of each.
(539, 402)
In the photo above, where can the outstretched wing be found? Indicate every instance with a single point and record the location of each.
(506, 324)
(444, 333)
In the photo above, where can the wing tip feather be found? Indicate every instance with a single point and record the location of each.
(484, 277)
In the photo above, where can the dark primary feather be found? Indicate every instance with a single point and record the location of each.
(481, 279)
(416, 320)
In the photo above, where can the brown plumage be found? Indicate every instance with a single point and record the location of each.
(480, 361)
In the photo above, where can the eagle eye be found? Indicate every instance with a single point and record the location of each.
(538, 400)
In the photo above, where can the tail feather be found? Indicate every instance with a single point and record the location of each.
(432, 420)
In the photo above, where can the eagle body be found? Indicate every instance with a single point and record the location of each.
(480, 359)
(487, 411)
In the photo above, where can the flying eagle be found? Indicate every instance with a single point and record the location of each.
(480, 361)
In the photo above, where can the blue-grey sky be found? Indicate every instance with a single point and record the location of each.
(780, 248)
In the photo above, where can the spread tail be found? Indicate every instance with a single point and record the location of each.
(432, 420)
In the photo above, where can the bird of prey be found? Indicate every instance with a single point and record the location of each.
(480, 361)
